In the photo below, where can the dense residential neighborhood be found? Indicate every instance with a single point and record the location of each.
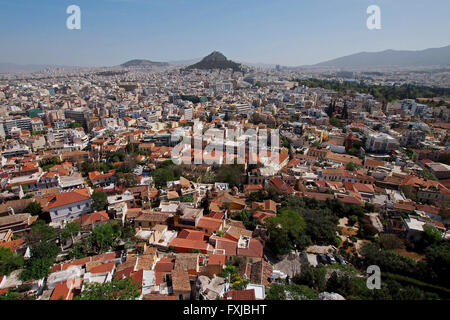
(96, 204)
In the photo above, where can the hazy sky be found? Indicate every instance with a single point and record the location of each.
(287, 32)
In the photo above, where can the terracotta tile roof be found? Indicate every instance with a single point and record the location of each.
(281, 185)
(62, 291)
(373, 163)
(95, 175)
(362, 187)
(92, 264)
(344, 158)
(124, 273)
(56, 268)
(172, 195)
(66, 198)
(255, 249)
(104, 268)
(210, 224)
(186, 244)
(217, 259)
(226, 197)
(187, 261)
(229, 246)
(318, 196)
(215, 215)
(240, 294)
(166, 264)
(180, 280)
(235, 223)
(252, 187)
(106, 257)
(13, 244)
(404, 206)
(133, 213)
(152, 217)
(214, 206)
(235, 232)
(78, 262)
(348, 199)
(137, 277)
(267, 205)
(261, 272)
(160, 277)
(192, 234)
(439, 224)
(93, 218)
(262, 216)
(145, 262)
(428, 208)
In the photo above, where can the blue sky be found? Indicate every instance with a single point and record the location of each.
(287, 32)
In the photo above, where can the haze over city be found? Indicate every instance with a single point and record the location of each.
(291, 33)
(225, 150)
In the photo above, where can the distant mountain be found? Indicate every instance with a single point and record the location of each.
(258, 64)
(388, 58)
(13, 68)
(143, 63)
(185, 62)
(215, 60)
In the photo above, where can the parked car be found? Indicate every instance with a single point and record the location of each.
(331, 259)
(321, 258)
(340, 260)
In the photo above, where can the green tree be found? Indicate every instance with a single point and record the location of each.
(123, 289)
(230, 174)
(126, 179)
(105, 235)
(162, 176)
(10, 295)
(99, 200)
(290, 292)
(387, 260)
(79, 250)
(34, 208)
(42, 258)
(437, 264)
(40, 231)
(352, 166)
(432, 234)
(9, 261)
(390, 241)
(335, 122)
(284, 229)
(428, 175)
(70, 230)
(130, 148)
(345, 112)
(75, 125)
(246, 217)
(313, 277)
